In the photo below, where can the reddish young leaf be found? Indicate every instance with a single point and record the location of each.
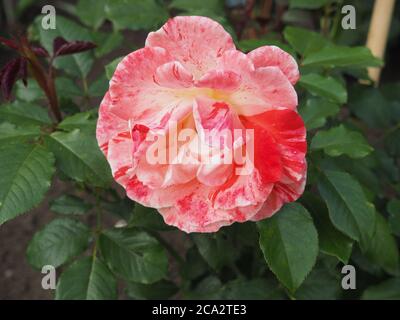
(9, 43)
(63, 47)
(40, 51)
(58, 43)
(8, 75)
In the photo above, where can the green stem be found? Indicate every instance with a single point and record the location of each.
(336, 21)
(86, 91)
(326, 20)
(44, 79)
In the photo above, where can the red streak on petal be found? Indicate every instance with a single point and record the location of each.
(104, 147)
(125, 134)
(137, 188)
(239, 216)
(195, 207)
(175, 71)
(141, 128)
(228, 183)
(121, 172)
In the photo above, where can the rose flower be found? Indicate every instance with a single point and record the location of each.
(202, 132)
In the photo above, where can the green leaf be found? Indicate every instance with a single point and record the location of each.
(160, 290)
(387, 290)
(216, 249)
(320, 285)
(392, 142)
(134, 255)
(363, 170)
(308, 4)
(106, 42)
(194, 266)
(10, 133)
(122, 208)
(79, 157)
(25, 177)
(99, 87)
(339, 140)
(24, 114)
(78, 64)
(91, 12)
(326, 87)
(67, 204)
(316, 111)
(58, 242)
(110, 68)
(349, 209)
(87, 279)
(243, 234)
(67, 88)
(386, 166)
(305, 41)
(393, 208)
(369, 105)
(191, 7)
(289, 242)
(331, 241)
(85, 121)
(22, 5)
(30, 93)
(340, 56)
(254, 289)
(135, 14)
(382, 249)
(208, 288)
(147, 218)
(364, 264)
(247, 45)
(68, 106)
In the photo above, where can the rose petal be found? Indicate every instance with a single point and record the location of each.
(194, 214)
(158, 198)
(288, 130)
(240, 191)
(173, 75)
(194, 41)
(119, 156)
(190, 77)
(272, 56)
(134, 93)
(220, 79)
(267, 88)
(108, 124)
(289, 133)
(281, 194)
(235, 60)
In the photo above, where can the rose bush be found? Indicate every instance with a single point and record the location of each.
(190, 72)
(204, 125)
